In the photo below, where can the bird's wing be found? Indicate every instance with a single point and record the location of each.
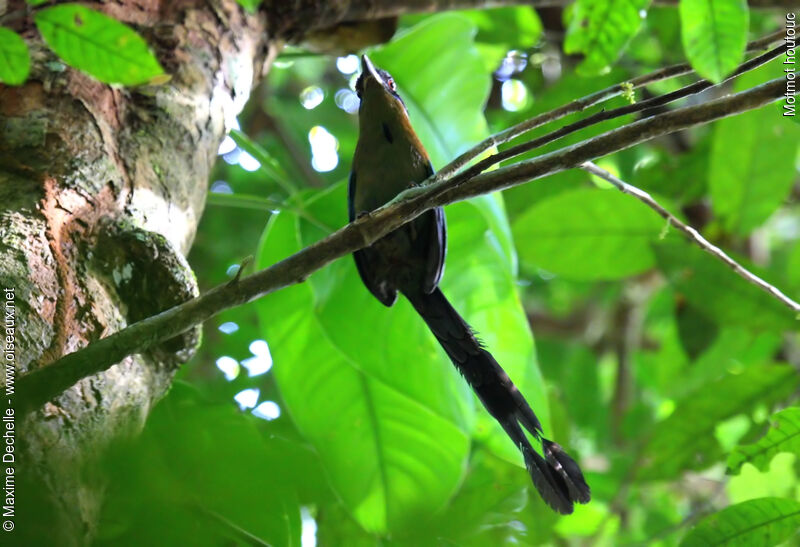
(381, 290)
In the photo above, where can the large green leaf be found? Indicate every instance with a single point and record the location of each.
(588, 234)
(714, 34)
(783, 436)
(600, 29)
(685, 440)
(755, 523)
(373, 392)
(15, 61)
(441, 77)
(752, 167)
(715, 290)
(97, 44)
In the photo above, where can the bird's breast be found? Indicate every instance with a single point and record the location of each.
(386, 162)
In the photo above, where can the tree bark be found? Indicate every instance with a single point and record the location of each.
(101, 190)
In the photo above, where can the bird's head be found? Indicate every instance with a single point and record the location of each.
(377, 91)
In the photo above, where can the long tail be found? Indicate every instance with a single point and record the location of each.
(556, 476)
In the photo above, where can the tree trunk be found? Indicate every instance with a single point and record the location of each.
(101, 190)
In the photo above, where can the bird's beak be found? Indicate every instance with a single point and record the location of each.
(369, 71)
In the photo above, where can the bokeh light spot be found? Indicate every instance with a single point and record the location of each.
(347, 100)
(228, 327)
(311, 97)
(514, 95)
(323, 149)
(220, 187)
(229, 367)
(248, 162)
(247, 398)
(348, 64)
(268, 410)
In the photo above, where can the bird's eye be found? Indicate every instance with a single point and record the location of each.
(391, 84)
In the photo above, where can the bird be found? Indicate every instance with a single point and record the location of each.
(389, 158)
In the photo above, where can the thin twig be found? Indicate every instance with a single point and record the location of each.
(49, 380)
(692, 234)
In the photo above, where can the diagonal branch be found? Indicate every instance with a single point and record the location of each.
(48, 381)
(692, 234)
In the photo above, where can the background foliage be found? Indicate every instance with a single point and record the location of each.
(316, 414)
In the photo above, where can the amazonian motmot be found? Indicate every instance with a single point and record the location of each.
(390, 158)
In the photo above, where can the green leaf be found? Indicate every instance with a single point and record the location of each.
(685, 440)
(15, 61)
(783, 436)
(759, 522)
(714, 34)
(447, 113)
(97, 44)
(600, 29)
(588, 234)
(715, 290)
(752, 167)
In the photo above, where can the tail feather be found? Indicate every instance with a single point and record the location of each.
(556, 476)
(551, 485)
(568, 469)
